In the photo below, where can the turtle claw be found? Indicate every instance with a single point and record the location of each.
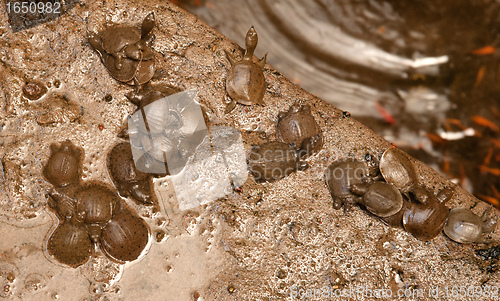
(230, 106)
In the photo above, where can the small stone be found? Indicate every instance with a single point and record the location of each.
(281, 274)
(34, 90)
(160, 236)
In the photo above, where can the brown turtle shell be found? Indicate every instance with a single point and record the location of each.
(64, 164)
(125, 236)
(70, 244)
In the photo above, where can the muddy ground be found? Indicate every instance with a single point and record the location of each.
(269, 241)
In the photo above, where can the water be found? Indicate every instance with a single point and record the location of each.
(408, 70)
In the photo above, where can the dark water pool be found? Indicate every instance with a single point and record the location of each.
(423, 74)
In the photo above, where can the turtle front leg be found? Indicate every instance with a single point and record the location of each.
(489, 224)
(96, 43)
(230, 57)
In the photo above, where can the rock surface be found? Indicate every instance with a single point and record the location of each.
(265, 241)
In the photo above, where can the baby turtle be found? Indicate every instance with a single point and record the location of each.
(125, 236)
(126, 51)
(397, 169)
(341, 176)
(380, 198)
(64, 165)
(426, 220)
(465, 227)
(272, 161)
(245, 82)
(299, 127)
(126, 177)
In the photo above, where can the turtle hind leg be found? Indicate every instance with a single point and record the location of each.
(262, 62)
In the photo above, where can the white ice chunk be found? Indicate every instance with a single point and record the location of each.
(218, 164)
(167, 130)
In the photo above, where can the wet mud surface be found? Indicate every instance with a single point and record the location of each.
(263, 241)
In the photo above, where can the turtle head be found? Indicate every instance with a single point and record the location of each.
(251, 42)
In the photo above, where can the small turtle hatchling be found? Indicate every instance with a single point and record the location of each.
(340, 176)
(64, 165)
(426, 220)
(299, 127)
(397, 169)
(245, 82)
(380, 198)
(465, 227)
(126, 177)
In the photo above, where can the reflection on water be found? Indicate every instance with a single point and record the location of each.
(423, 74)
